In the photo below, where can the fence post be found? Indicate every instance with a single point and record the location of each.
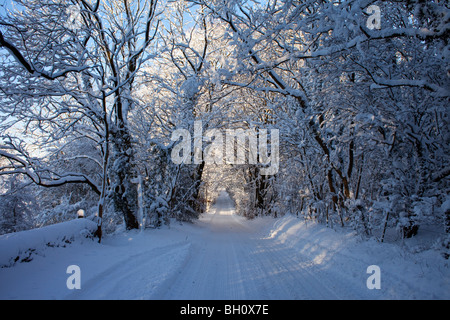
(141, 216)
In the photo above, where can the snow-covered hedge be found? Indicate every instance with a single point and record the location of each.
(22, 246)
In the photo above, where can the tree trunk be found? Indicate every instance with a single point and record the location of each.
(124, 192)
(196, 203)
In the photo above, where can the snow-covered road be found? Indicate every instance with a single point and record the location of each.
(225, 256)
(231, 260)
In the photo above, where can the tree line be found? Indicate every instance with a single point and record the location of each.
(91, 92)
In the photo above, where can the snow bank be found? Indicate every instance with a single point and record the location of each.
(220, 256)
(22, 246)
(406, 272)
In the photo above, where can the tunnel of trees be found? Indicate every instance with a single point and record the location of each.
(92, 91)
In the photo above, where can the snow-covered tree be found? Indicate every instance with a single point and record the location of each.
(356, 99)
(17, 205)
(68, 73)
(360, 100)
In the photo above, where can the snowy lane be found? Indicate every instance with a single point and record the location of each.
(231, 261)
(210, 272)
(224, 256)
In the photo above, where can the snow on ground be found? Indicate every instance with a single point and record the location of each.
(23, 246)
(224, 256)
(344, 259)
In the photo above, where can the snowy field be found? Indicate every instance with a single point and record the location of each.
(224, 256)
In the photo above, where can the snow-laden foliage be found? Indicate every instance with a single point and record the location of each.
(362, 112)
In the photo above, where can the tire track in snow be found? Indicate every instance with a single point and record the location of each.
(231, 261)
(135, 277)
(212, 269)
